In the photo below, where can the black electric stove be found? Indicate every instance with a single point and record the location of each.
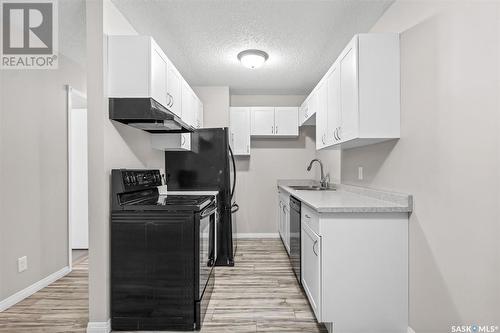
(162, 254)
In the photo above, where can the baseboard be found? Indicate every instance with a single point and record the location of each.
(99, 326)
(257, 235)
(30, 290)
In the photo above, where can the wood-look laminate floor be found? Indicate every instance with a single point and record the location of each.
(259, 294)
(60, 307)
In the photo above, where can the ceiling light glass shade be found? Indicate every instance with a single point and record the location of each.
(252, 58)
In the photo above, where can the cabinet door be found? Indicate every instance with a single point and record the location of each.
(239, 118)
(200, 113)
(311, 267)
(158, 76)
(187, 113)
(349, 92)
(286, 121)
(174, 88)
(262, 121)
(333, 107)
(321, 101)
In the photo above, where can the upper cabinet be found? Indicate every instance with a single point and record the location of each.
(274, 121)
(262, 121)
(174, 89)
(307, 112)
(239, 126)
(138, 68)
(357, 102)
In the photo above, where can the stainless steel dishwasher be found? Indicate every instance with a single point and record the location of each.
(295, 228)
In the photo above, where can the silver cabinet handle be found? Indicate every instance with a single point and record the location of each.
(183, 140)
(323, 138)
(307, 216)
(284, 208)
(338, 132)
(272, 129)
(276, 129)
(314, 245)
(335, 134)
(248, 148)
(169, 99)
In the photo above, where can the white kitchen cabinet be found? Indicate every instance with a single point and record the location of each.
(239, 125)
(199, 113)
(174, 89)
(171, 141)
(363, 99)
(311, 267)
(333, 108)
(355, 265)
(158, 74)
(286, 121)
(262, 121)
(349, 93)
(320, 100)
(284, 219)
(307, 113)
(188, 104)
(274, 121)
(138, 68)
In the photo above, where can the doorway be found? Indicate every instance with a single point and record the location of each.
(78, 226)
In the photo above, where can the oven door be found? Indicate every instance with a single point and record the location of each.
(206, 250)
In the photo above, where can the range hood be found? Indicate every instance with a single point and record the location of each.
(146, 114)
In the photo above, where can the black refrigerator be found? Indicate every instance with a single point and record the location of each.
(209, 166)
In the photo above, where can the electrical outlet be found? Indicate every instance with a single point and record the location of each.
(22, 264)
(360, 173)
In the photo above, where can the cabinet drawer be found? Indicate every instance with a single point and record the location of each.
(310, 218)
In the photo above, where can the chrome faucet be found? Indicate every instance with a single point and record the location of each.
(324, 179)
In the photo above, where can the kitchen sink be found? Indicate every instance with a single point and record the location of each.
(310, 188)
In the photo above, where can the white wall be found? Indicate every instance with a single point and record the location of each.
(111, 145)
(215, 105)
(447, 157)
(270, 160)
(33, 162)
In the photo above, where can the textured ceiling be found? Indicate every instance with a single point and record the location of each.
(303, 38)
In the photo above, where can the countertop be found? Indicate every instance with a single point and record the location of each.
(349, 199)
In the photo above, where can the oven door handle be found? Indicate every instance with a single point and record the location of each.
(209, 210)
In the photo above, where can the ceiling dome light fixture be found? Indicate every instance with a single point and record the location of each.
(252, 58)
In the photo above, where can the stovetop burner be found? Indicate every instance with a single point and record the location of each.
(184, 199)
(171, 202)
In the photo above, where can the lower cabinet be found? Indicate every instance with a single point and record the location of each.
(355, 269)
(284, 219)
(311, 268)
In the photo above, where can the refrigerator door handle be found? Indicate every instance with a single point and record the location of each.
(234, 172)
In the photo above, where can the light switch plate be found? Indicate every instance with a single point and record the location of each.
(360, 173)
